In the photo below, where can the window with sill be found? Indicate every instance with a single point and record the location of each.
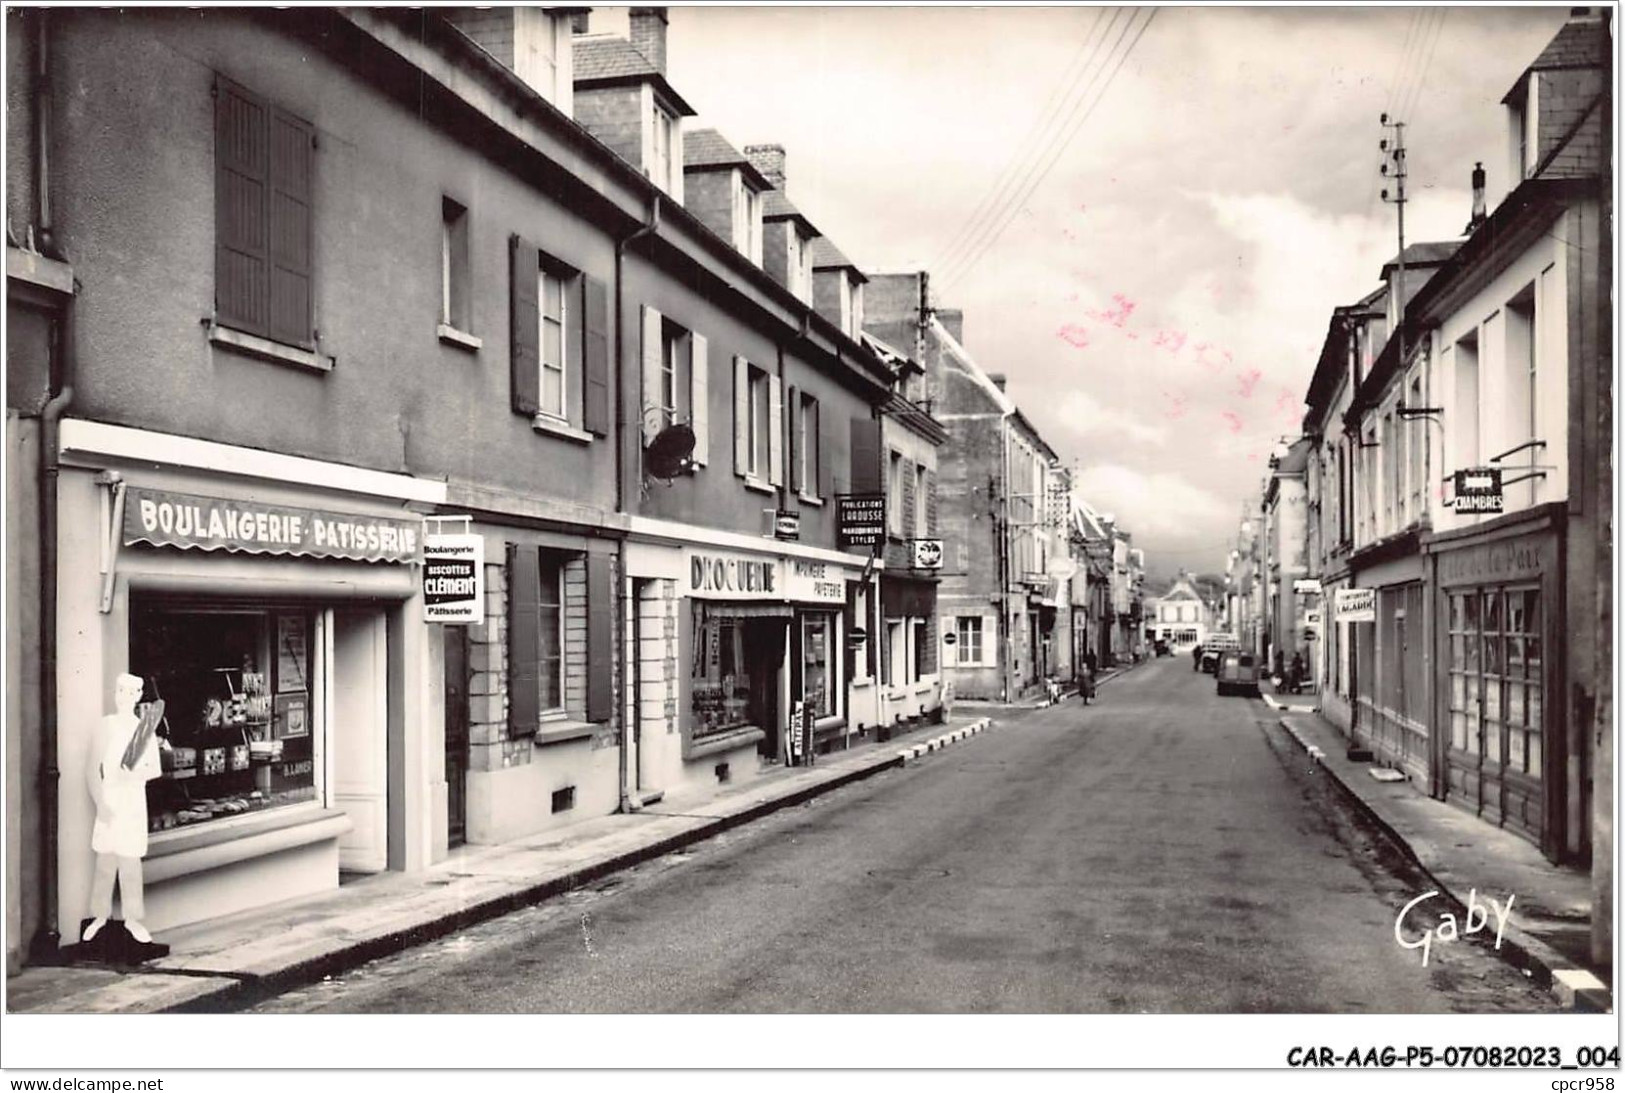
(676, 371)
(560, 342)
(747, 212)
(806, 446)
(968, 639)
(264, 201)
(758, 424)
(454, 296)
(662, 170)
(560, 616)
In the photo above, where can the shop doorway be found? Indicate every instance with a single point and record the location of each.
(360, 729)
(457, 679)
(764, 662)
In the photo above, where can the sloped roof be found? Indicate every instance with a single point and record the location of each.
(1296, 459)
(1581, 43)
(1423, 254)
(775, 206)
(707, 148)
(826, 255)
(971, 369)
(605, 61)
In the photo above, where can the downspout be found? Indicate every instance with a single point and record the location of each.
(47, 939)
(622, 500)
(1006, 626)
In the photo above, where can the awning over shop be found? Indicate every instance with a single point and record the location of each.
(727, 610)
(903, 598)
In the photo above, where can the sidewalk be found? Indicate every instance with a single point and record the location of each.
(1549, 933)
(1039, 702)
(225, 962)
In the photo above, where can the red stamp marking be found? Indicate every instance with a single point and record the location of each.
(1176, 405)
(1212, 357)
(1232, 419)
(1171, 340)
(1246, 381)
(1074, 335)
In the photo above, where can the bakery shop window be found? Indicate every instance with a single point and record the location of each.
(238, 733)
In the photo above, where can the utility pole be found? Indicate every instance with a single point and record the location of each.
(1393, 167)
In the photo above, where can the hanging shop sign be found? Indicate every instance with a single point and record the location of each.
(453, 578)
(247, 527)
(1355, 605)
(1478, 489)
(787, 524)
(718, 576)
(1306, 584)
(861, 518)
(927, 553)
(814, 582)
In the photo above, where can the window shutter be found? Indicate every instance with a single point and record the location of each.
(700, 397)
(865, 453)
(600, 637)
(292, 162)
(908, 500)
(775, 431)
(741, 416)
(524, 639)
(595, 355)
(928, 652)
(525, 335)
(651, 420)
(794, 446)
(931, 504)
(574, 292)
(820, 452)
(242, 127)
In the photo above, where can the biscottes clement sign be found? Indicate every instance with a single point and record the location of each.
(246, 527)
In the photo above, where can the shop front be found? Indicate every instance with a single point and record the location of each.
(1498, 688)
(911, 685)
(280, 626)
(739, 662)
(1390, 658)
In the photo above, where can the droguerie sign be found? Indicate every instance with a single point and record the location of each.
(453, 578)
(217, 523)
(727, 576)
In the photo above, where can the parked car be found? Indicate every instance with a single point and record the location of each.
(1216, 647)
(1162, 648)
(1237, 671)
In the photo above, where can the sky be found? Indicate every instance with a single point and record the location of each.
(1146, 224)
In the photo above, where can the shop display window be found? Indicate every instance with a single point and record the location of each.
(719, 679)
(817, 666)
(239, 733)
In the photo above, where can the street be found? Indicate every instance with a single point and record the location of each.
(1162, 850)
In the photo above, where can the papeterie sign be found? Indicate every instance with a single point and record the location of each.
(1478, 489)
(217, 523)
(1355, 605)
(816, 582)
(453, 578)
(861, 518)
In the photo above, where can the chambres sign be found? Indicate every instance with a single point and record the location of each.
(217, 523)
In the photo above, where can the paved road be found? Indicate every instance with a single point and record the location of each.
(1164, 850)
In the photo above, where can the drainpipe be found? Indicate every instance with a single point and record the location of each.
(622, 501)
(47, 940)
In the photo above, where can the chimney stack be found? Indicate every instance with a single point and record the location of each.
(998, 379)
(649, 34)
(768, 159)
(1478, 199)
(953, 320)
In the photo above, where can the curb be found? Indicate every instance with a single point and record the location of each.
(256, 988)
(1574, 988)
(1270, 701)
(937, 743)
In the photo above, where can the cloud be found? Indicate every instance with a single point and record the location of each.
(1082, 414)
(1158, 504)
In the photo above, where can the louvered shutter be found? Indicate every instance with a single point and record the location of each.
(524, 639)
(741, 416)
(908, 499)
(574, 292)
(652, 402)
(794, 445)
(931, 503)
(865, 456)
(595, 355)
(242, 188)
(525, 355)
(820, 452)
(292, 164)
(600, 637)
(700, 397)
(775, 431)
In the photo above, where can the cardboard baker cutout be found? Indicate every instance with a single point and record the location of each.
(124, 757)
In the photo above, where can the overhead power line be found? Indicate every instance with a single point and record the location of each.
(1020, 201)
(1034, 142)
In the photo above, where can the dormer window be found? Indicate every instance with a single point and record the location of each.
(747, 217)
(798, 265)
(662, 169)
(851, 305)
